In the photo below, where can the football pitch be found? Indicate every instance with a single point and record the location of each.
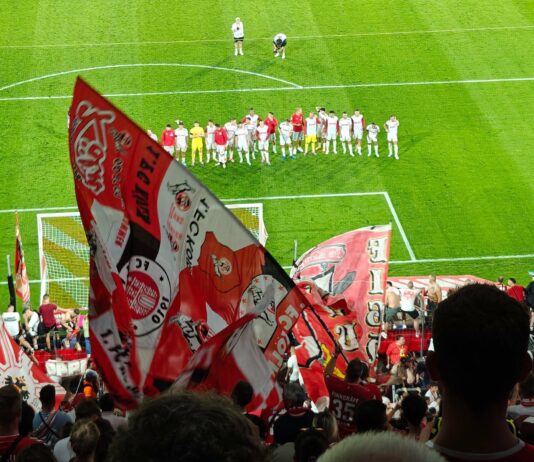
(459, 76)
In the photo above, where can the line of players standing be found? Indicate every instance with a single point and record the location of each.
(253, 134)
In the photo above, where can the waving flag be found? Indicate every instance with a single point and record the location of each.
(21, 276)
(17, 369)
(170, 266)
(344, 280)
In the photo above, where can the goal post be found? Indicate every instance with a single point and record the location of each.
(64, 253)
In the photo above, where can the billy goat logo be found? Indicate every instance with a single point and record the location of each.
(90, 145)
(20, 384)
(222, 266)
(181, 196)
(194, 332)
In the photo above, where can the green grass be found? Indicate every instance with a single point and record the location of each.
(463, 186)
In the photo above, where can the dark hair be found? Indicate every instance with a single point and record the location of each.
(76, 311)
(26, 419)
(414, 408)
(107, 433)
(36, 453)
(370, 416)
(389, 283)
(196, 427)
(242, 394)
(294, 395)
(512, 279)
(526, 387)
(84, 437)
(47, 395)
(310, 444)
(106, 403)
(169, 126)
(488, 328)
(10, 404)
(354, 370)
(87, 409)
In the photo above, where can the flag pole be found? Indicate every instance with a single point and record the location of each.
(295, 252)
(10, 285)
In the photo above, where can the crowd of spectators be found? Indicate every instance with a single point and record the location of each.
(479, 406)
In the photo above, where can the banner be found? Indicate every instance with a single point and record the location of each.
(170, 266)
(17, 369)
(344, 281)
(21, 276)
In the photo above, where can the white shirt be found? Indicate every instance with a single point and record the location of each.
(280, 36)
(357, 121)
(116, 421)
(210, 131)
(230, 129)
(373, 130)
(286, 128)
(32, 323)
(293, 366)
(181, 135)
(332, 124)
(263, 132)
(238, 29)
(408, 297)
(311, 126)
(241, 134)
(12, 323)
(344, 125)
(253, 119)
(63, 451)
(392, 126)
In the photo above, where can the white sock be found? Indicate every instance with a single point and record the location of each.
(350, 150)
(247, 156)
(283, 151)
(235, 53)
(267, 158)
(369, 147)
(359, 149)
(396, 148)
(240, 156)
(344, 148)
(274, 148)
(390, 150)
(376, 150)
(327, 147)
(335, 146)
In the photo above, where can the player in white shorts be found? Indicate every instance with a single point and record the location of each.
(391, 126)
(332, 129)
(263, 142)
(210, 140)
(181, 140)
(251, 130)
(230, 128)
(286, 130)
(321, 127)
(241, 136)
(358, 126)
(345, 127)
(372, 138)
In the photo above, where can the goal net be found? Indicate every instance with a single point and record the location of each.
(64, 253)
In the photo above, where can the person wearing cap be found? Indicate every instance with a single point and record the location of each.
(529, 298)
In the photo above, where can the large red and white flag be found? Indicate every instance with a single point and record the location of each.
(170, 266)
(344, 280)
(17, 369)
(22, 282)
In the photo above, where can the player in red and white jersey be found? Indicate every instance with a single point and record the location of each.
(345, 394)
(262, 133)
(391, 126)
(297, 120)
(332, 129)
(230, 128)
(241, 136)
(181, 140)
(221, 140)
(358, 126)
(168, 139)
(321, 127)
(210, 140)
(152, 135)
(272, 123)
(251, 120)
(345, 127)
(286, 130)
(310, 136)
(372, 138)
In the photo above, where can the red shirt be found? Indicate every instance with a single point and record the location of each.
(221, 137)
(374, 390)
(7, 441)
(517, 292)
(298, 122)
(168, 137)
(395, 352)
(47, 313)
(343, 400)
(271, 124)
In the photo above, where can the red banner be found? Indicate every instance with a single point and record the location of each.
(22, 282)
(170, 266)
(344, 279)
(17, 369)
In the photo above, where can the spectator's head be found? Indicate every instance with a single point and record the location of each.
(242, 394)
(328, 423)
(84, 438)
(414, 408)
(46, 299)
(431, 278)
(10, 308)
(106, 403)
(294, 395)
(380, 447)
(370, 416)
(47, 396)
(26, 309)
(10, 409)
(87, 409)
(511, 282)
(26, 419)
(401, 340)
(488, 346)
(36, 453)
(389, 284)
(410, 284)
(354, 370)
(500, 280)
(194, 426)
(309, 445)
(526, 387)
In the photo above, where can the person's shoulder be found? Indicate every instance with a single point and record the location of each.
(27, 441)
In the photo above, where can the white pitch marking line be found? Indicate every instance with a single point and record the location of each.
(294, 87)
(115, 66)
(399, 226)
(301, 37)
(445, 260)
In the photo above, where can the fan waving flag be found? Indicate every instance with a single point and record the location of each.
(344, 280)
(170, 266)
(22, 283)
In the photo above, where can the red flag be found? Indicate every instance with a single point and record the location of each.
(344, 280)
(22, 283)
(17, 369)
(170, 266)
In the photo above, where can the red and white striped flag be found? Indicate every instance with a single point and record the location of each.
(21, 276)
